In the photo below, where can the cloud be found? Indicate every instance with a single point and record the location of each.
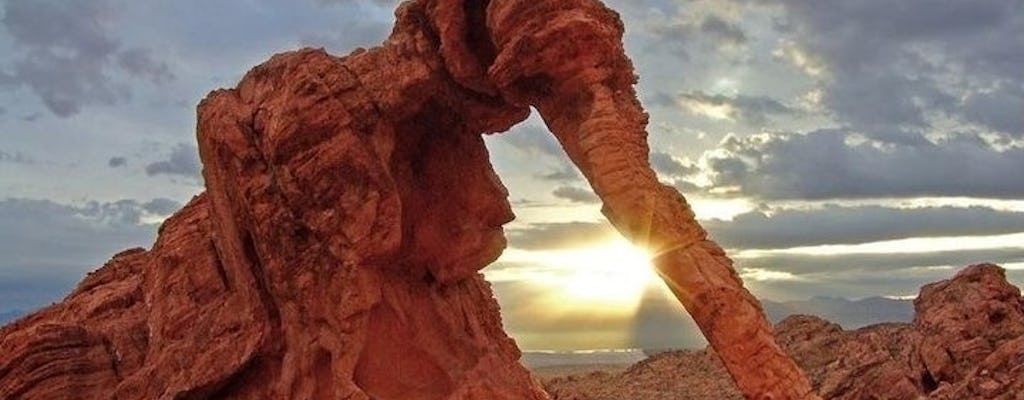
(357, 32)
(865, 275)
(887, 69)
(559, 235)
(117, 162)
(828, 164)
(748, 110)
(666, 164)
(1001, 110)
(871, 264)
(182, 161)
(576, 195)
(541, 146)
(139, 62)
(724, 31)
(564, 173)
(685, 34)
(534, 140)
(855, 225)
(47, 247)
(68, 57)
(16, 158)
(686, 187)
(161, 206)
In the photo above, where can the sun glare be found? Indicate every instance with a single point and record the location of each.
(614, 273)
(611, 275)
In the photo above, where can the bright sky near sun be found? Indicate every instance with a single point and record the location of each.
(844, 148)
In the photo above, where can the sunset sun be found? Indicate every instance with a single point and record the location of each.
(610, 275)
(614, 273)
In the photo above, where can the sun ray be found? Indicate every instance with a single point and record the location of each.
(610, 276)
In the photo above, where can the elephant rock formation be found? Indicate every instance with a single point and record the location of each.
(349, 206)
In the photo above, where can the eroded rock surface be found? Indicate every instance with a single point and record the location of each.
(349, 207)
(966, 342)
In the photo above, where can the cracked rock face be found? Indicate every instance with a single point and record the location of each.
(349, 207)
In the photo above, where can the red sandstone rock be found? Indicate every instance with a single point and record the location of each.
(966, 342)
(349, 206)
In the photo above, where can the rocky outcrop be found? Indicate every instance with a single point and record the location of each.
(350, 204)
(966, 342)
(675, 375)
(334, 255)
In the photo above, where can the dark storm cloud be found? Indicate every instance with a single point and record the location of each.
(889, 64)
(575, 194)
(748, 110)
(824, 164)
(47, 247)
(183, 161)
(666, 164)
(67, 56)
(853, 225)
(559, 235)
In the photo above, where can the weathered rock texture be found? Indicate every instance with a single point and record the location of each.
(350, 204)
(966, 342)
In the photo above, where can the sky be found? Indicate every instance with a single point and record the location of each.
(841, 148)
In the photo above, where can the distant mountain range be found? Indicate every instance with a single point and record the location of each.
(662, 324)
(850, 314)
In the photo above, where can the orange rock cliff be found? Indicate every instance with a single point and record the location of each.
(349, 206)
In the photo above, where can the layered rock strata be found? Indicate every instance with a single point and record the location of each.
(350, 204)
